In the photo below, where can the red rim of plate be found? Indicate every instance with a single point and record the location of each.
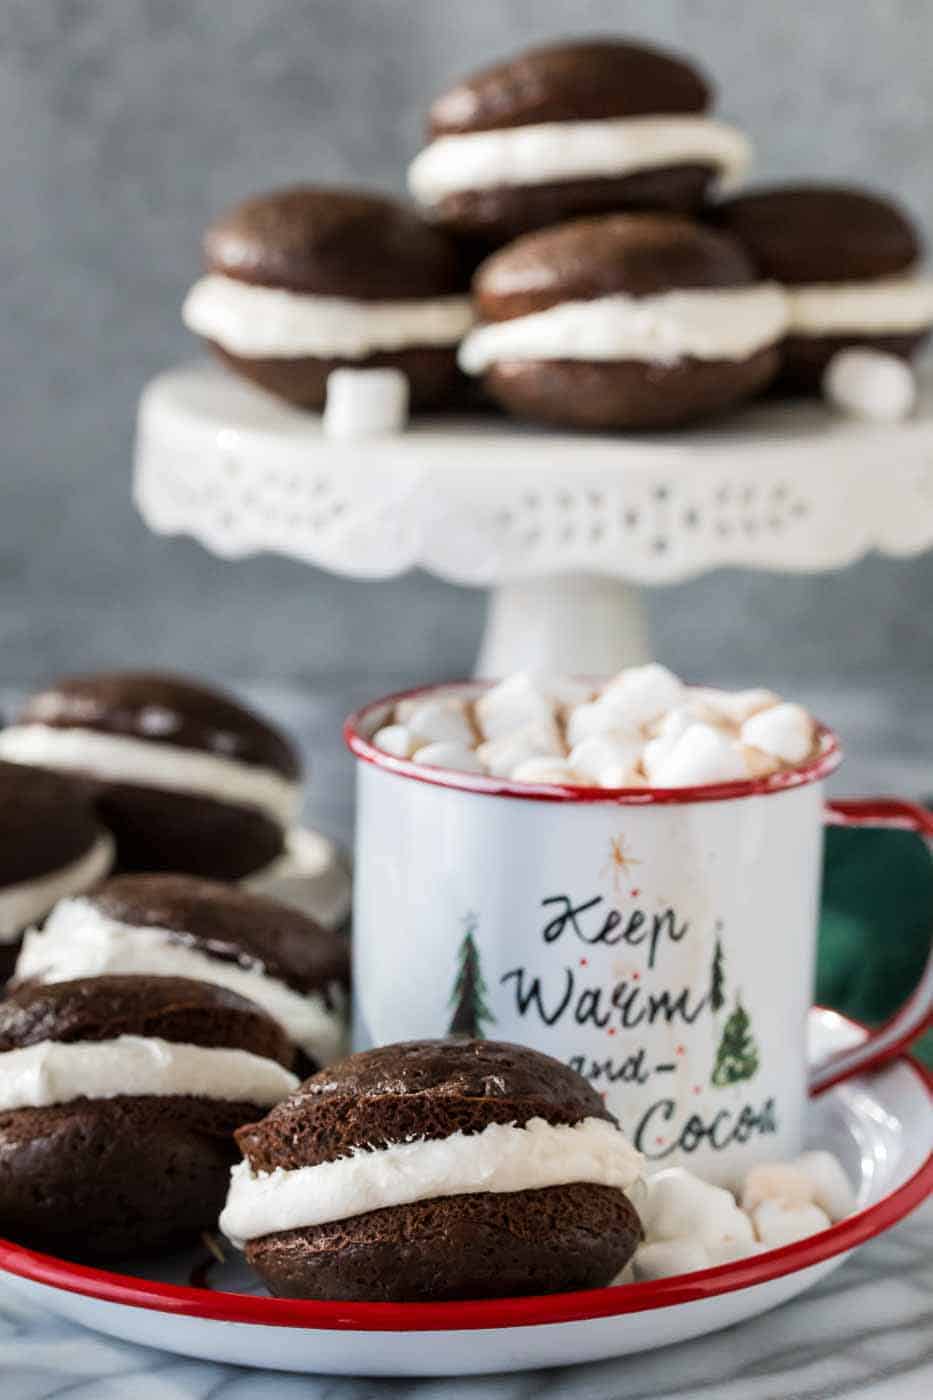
(542, 1310)
(360, 725)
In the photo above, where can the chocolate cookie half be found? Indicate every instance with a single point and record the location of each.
(435, 1170)
(118, 1100)
(573, 128)
(304, 281)
(847, 260)
(623, 321)
(51, 845)
(179, 926)
(186, 778)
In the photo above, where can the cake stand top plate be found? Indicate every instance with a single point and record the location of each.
(784, 485)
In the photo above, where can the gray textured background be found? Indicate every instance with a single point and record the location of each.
(125, 124)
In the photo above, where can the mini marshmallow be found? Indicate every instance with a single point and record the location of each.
(513, 704)
(364, 403)
(785, 731)
(832, 1190)
(667, 731)
(396, 739)
(759, 764)
(449, 754)
(565, 691)
(729, 1252)
(546, 770)
(870, 384)
(783, 1182)
(441, 724)
(604, 761)
(645, 692)
(736, 706)
(627, 1275)
(777, 1224)
(667, 1258)
(450, 700)
(602, 718)
(680, 1206)
(701, 755)
(501, 756)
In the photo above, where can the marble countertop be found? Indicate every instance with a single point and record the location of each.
(866, 1332)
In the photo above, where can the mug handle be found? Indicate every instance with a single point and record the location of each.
(916, 1015)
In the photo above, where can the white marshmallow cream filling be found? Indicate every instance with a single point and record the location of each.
(708, 323)
(552, 152)
(120, 758)
(274, 323)
(22, 904)
(501, 1158)
(79, 940)
(53, 1072)
(887, 306)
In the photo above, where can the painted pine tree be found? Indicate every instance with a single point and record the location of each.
(737, 1055)
(468, 997)
(717, 979)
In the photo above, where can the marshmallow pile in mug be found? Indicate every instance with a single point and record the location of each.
(643, 728)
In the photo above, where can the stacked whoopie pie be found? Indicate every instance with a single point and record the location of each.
(435, 1170)
(183, 776)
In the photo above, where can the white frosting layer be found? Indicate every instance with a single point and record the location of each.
(22, 904)
(706, 324)
(123, 759)
(501, 1158)
(550, 152)
(885, 306)
(271, 322)
(53, 1072)
(79, 940)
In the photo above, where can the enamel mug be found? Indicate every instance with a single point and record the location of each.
(661, 941)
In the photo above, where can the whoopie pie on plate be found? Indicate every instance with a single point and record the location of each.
(51, 845)
(186, 778)
(435, 1170)
(177, 925)
(623, 321)
(307, 280)
(573, 128)
(847, 259)
(118, 1101)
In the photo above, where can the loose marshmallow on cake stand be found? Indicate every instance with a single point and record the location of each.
(565, 529)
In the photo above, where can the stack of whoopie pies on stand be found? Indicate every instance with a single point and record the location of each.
(613, 286)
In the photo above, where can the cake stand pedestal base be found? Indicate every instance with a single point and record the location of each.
(578, 624)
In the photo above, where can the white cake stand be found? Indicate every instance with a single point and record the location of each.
(563, 527)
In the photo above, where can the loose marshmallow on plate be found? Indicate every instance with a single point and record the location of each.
(606, 762)
(365, 403)
(785, 731)
(832, 1190)
(450, 754)
(870, 384)
(513, 704)
(783, 1182)
(667, 1258)
(440, 723)
(396, 739)
(502, 756)
(676, 1205)
(545, 770)
(645, 692)
(777, 1224)
(701, 755)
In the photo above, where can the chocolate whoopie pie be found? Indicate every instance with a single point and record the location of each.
(186, 778)
(847, 259)
(118, 1101)
(304, 281)
(176, 925)
(623, 321)
(51, 845)
(435, 1170)
(574, 128)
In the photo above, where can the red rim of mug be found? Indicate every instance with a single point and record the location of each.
(359, 727)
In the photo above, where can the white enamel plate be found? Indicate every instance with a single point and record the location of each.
(881, 1126)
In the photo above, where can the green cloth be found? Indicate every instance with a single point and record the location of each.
(876, 923)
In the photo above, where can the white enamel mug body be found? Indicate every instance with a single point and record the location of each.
(662, 942)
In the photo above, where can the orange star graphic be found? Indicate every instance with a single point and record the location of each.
(619, 863)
